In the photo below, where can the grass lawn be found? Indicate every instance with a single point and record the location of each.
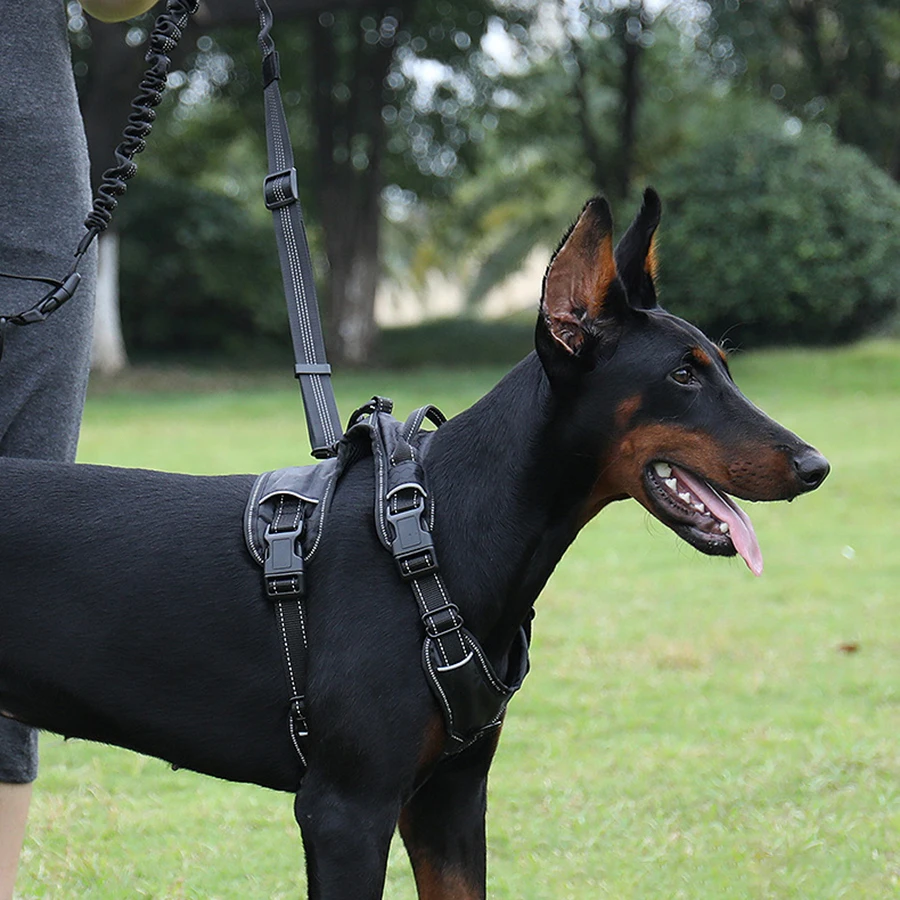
(686, 730)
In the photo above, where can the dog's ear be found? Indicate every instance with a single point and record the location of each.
(636, 257)
(582, 292)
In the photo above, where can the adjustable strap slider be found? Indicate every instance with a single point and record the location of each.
(283, 568)
(280, 189)
(442, 620)
(412, 546)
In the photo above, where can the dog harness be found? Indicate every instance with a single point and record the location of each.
(284, 524)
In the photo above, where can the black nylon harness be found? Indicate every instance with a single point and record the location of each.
(284, 524)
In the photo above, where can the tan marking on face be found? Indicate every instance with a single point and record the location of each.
(751, 471)
(625, 410)
(722, 355)
(700, 356)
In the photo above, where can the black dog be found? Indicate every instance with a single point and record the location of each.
(131, 612)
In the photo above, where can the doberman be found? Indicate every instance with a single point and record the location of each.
(131, 612)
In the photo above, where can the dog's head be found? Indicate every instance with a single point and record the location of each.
(656, 403)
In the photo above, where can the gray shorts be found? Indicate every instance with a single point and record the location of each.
(18, 752)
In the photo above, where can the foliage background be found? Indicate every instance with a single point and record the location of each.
(484, 131)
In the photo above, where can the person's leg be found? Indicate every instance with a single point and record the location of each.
(14, 800)
(18, 769)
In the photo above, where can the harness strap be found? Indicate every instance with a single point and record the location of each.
(471, 696)
(281, 197)
(413, 551)
(284, 579)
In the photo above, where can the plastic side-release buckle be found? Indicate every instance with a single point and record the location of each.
(283, 567)
(412, 546)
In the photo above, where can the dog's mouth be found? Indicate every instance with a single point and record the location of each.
(706, 518)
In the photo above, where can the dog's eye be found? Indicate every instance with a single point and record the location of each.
(684, 375)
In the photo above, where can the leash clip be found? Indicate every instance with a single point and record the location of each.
(283, 569)
(412, 546)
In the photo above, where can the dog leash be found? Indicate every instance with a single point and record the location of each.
(281, 197)
(280, 192)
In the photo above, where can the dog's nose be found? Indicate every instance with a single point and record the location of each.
(811, 468)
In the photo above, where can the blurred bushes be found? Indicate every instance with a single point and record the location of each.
(766, 237)
(198, 274)
(463, 341)
(778, 239)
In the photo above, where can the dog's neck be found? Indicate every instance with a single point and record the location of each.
(509, 498)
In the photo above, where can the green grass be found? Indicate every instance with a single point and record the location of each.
(686, 731)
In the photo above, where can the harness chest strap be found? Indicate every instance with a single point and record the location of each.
(284, 579)
(285, 513)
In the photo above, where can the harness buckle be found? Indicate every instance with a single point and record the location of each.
(283, 568)
(412, 546)
(280, 189)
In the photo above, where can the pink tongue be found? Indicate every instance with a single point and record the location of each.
(740, 528)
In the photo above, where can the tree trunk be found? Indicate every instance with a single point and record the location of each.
(349, 149)
(352, 243)
(108, 350)
(630, 96)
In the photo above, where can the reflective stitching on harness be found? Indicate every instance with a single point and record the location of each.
(279, 611)
(250, 521)
(486, 666)
(436, 685)
(324, 507)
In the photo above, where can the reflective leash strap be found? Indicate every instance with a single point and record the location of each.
(166, 33)
(311, 367)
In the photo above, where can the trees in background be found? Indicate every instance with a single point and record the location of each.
(460, 134)
(362, 107)
(834, 64)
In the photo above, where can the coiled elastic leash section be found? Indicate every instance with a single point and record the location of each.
(165, 35)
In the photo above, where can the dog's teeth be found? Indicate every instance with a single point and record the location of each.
(664, 470)
(723, 527)
(686, 497)
(700, 507)
(671, 483)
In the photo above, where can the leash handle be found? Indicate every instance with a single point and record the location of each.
(163, 38)
(281, 197)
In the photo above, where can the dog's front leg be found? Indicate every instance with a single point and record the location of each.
(443, 829)
(346, 838)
